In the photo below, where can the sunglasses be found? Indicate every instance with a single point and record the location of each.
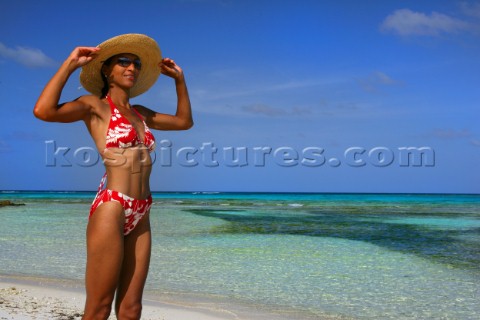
(126, 62)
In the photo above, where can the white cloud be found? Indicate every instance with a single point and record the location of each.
(4, 147)
(373, 82)
(406, 22)
(475, 142)
(242, 86)
(264, 110)
(451, 133)
(384, 79)
(472, 10)
(272, 111)
(29, 57)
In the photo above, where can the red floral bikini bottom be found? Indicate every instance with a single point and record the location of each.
(134, 209)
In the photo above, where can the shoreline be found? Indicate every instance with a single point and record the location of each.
(25, 298)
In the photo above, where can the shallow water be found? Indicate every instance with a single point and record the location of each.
(358, 256)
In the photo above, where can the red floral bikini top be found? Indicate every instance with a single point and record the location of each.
(121, 133)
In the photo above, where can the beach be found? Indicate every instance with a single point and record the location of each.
(258, 256)
(47, 299)
(24, 298)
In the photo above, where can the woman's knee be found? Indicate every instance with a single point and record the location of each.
(130, 311)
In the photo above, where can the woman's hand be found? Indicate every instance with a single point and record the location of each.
(171, 69)
(80, 56)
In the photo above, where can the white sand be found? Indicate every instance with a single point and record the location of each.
(29, 299)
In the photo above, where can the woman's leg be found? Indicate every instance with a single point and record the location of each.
(134, 271)
(104, 259)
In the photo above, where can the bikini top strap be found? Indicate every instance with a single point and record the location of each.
(110, 102)
(138, 114)
(113, 106)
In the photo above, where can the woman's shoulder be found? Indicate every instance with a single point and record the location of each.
(89, 99)
(94, 103)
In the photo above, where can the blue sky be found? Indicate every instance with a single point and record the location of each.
(309, 96)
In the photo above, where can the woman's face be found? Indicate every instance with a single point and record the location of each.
(123, 69)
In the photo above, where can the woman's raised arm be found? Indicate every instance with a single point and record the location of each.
(47, 107)
(182, 120)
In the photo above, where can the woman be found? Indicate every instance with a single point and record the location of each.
(118, 231)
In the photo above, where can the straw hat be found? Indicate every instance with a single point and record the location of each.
(138, 44)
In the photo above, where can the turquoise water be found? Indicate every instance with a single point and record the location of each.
(361, 256)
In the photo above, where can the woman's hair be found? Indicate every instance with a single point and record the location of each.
(106, 87)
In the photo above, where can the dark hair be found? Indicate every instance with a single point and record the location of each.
(106, 87)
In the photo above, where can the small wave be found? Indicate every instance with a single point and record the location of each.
(205, 192)
(295, 205)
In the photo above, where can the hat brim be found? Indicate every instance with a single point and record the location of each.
(138, 44)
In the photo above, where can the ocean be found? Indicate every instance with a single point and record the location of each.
(313, 256)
